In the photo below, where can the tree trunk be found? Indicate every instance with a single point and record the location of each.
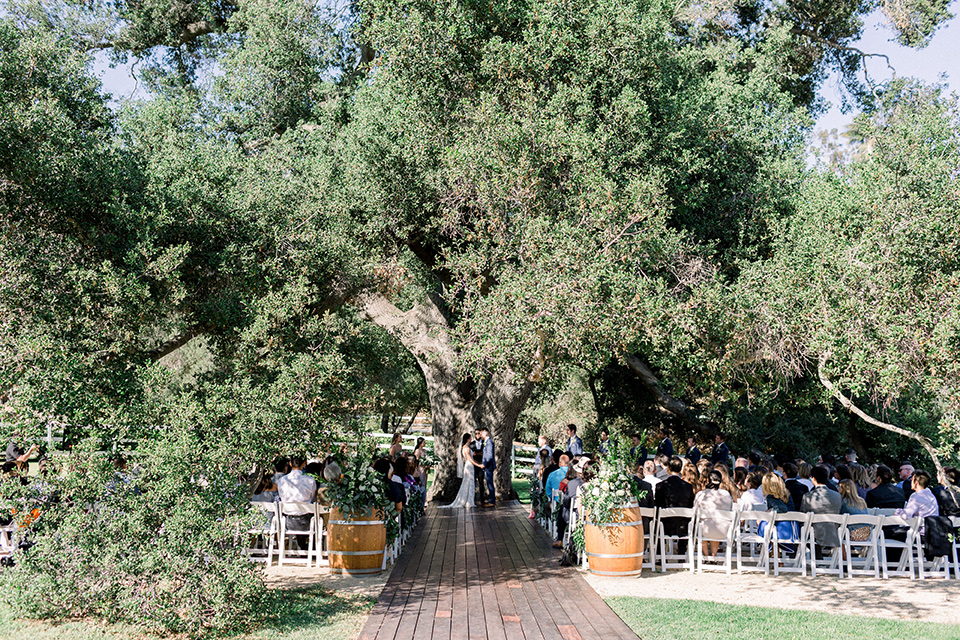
(424, 332)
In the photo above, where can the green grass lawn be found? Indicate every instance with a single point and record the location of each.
(298, 614)
(522, 486)
(652, 618)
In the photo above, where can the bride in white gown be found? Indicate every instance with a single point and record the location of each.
(466, 467)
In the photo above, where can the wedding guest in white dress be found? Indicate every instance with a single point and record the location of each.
(466, 469)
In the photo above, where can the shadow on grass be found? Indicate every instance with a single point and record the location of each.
(316, 610)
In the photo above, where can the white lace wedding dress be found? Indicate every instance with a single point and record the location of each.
(465, 497)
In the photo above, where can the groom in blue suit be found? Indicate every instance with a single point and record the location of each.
(489, 462)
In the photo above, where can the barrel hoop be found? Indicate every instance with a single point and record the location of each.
(636, 523)
(614, 555)
(354, 553)
(347, 522)
(355, 571)
(615, 573)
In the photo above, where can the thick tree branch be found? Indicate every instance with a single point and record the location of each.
(194, 30)
(798, 31)
(175, 343)
(849, 406)
(673, 405)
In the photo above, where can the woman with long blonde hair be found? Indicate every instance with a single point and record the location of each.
(776, 494)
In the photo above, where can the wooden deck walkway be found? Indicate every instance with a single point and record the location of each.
(487, 573)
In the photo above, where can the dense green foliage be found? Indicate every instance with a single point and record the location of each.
(532, 189)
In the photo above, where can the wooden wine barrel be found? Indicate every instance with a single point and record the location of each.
(616, 548)
(355, 546)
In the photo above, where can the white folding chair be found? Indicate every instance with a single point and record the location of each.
(867, 562)
(392, 550)
(904, 567)
(939, 567)
(322, 554)
(649, 514)
(956, 547)
(834, 564)
(264, 527)
(555, 496)
(751, 535)
(799, 531)
(668, 545)
(298, 508)
(726, 520)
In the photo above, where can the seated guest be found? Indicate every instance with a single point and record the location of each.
(650, 476)
(778, 499)
(820, 499)
(674, 492)
(793, 485)
(297, 487)
(281, 467)
(266, 491)
(851, 502)
(393, 490)
(752, 497)
(573, 482)
(741, 463)
(861, 479)
(948, 496)
(776, 496)
(644, 488)
(554, 465)
(556, 477)
(332, 471)
(886, 495)
(842, 472)
(663, 463)
(690, 474)
(740, 478)
(728, 482)
(803, 474)
(708, 502)
(922, 503)
(906, 471)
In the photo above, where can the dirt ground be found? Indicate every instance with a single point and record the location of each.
(292, 577)
(931, 600)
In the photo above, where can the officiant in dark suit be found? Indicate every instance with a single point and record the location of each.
(476, 448)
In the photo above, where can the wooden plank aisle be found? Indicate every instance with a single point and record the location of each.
(487, 573)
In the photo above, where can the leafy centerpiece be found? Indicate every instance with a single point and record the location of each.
(361, 492)
(610, 519)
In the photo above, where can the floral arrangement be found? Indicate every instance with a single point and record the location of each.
(613, 488)
(361, 488)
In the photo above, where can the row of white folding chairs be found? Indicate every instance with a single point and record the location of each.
(269, 537)
(272, 537)
(794, 549)
(759, 544)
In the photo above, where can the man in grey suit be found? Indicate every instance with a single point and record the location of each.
(820, 499)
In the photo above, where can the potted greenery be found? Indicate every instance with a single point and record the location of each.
(610, 530)
(362, 519)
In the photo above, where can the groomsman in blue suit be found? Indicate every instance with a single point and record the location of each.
(489, 462)
(574, 443)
